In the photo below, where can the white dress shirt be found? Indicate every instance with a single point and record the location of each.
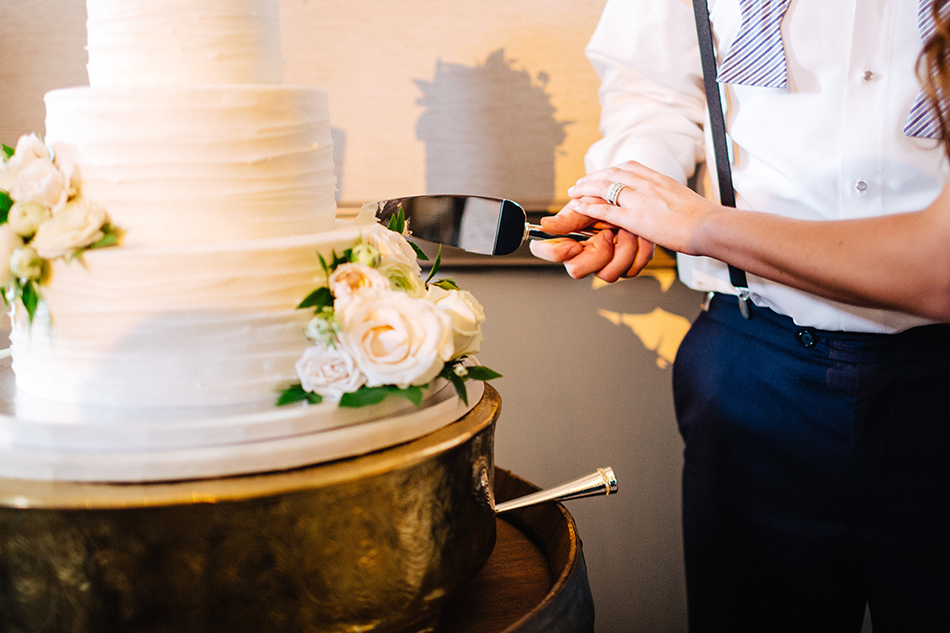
(829, 146)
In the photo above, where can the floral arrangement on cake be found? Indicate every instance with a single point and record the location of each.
(379, 329)
(43, 216)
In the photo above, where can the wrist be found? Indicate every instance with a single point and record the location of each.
(701, 238)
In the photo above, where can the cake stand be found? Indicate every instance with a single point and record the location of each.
(375, 542)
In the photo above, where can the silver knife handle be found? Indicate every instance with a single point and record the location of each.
(535, 232)
(602, 482)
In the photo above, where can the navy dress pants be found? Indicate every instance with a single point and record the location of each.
(816, 475)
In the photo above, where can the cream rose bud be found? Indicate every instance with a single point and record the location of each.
(329, 372)
(26, 217)
(348, 279)
(466, 314)
(40, 181)
(26, 264)
(10, 241)
(396, 339)
(321, 330)
(77, 226)
(391, 246)
(403, 277)
(366, 254)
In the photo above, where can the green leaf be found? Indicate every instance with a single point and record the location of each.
(30, 299)
(397, 222)
(446, 284)
(479, 372)
(459, 383)
(412, 394)
(365, 396)
(107, 240)
(323, 265)
(419, 254)
(319, 299)
(337, 260)
(296, 393)
(435, 265)
(6, 202)
(7, 150)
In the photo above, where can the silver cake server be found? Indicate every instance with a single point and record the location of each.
(477, 224)
(601, 482)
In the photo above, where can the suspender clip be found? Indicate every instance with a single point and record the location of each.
(744, 300)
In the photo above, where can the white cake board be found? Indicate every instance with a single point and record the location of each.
(53, 441)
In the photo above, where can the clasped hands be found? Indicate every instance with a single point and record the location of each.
(651, 209)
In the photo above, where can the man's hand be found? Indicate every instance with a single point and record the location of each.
(611, 254)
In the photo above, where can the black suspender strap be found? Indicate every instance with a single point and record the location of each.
(727, 194)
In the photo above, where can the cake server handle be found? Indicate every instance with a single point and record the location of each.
(601, 482)
(535, 232)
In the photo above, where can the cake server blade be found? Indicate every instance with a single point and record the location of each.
(477, 224)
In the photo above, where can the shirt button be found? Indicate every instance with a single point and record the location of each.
(868, 75)
(861, 185)
(805, 337)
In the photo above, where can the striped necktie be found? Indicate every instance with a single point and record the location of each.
(922, 122)
(757, 56)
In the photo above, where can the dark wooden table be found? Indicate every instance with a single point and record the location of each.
(535, 579)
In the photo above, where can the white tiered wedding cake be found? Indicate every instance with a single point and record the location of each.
(162, 357)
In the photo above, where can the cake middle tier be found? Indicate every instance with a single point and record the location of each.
(200, 163)
(188, 325)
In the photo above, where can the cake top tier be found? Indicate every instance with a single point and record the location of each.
(175, 42)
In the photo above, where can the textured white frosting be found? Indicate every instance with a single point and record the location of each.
(172, 42)
(189, 325)
(200, 163)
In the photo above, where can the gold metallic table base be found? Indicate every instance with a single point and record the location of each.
(375, 543)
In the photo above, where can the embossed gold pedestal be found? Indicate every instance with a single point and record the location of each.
(374, 543)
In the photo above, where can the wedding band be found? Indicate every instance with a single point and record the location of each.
(613, 192)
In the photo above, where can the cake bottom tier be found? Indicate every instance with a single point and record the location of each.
(183, 326)
(373, 543)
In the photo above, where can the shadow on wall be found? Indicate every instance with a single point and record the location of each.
(490, 130)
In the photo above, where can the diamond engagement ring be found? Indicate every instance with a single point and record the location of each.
(613, 192)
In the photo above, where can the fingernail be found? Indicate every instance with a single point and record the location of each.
(570, 189)
(575, 204)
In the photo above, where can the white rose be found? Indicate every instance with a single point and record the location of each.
(403, 277)
(78, 225)
(28, 149)
(391, 246)
(395, 339)
(70, 172)
(467, 316)
(9, 242)
(26, 264)
(329, 372)
(41, 181)
(7, 178)
(348, 279)
(26, 217)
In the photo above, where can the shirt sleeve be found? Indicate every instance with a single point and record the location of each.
(652, 102)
